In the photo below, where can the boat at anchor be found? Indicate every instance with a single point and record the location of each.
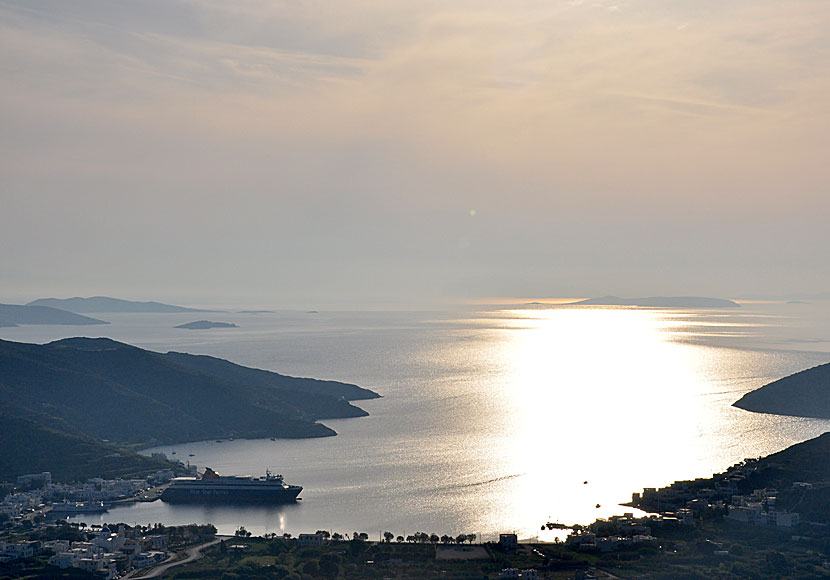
(215, 488)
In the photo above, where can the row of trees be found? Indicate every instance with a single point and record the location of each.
(416, 538)
(424, 538)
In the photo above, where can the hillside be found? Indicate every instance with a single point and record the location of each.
(29, 447)
(807, 461)
(14, 315)
(107, 304)
(109, 390)
(804, 394)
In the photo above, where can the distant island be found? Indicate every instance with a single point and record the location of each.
(15, 315)
(803, 394)
(659, 302)
(205, 324)
(101, 389)
(107, 304)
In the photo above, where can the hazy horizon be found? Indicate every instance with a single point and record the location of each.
(273, 153)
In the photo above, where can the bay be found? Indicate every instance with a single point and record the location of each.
(493, 419)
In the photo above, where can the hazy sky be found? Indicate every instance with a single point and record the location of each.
(277, 152)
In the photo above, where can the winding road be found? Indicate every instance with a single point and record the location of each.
(189, 555)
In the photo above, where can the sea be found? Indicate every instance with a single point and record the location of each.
(493, 417)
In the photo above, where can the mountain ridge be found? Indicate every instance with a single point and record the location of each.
(95, 304)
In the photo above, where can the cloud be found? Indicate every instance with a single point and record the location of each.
(363, 130)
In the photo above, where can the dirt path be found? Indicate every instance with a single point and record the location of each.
(191, 554)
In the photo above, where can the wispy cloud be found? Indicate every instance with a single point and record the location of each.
(384, 116)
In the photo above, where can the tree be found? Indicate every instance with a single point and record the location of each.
(337, 536)
(388, 536)
(471, 538)
(324, 534)
(434, 538)
(400, 539)
(329, 568)
(460, 538)
(445, 539)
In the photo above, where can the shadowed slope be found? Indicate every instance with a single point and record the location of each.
(110, 390)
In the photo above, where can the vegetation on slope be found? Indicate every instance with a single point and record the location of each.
(113, 391)
(29, 447)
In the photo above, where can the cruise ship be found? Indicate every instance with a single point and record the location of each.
(215, 488)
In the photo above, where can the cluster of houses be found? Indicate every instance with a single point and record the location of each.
(684, 500)
(516, 573)
(110, 553)
(615, 533)
(44, 493)
(758, 509)
(16, 550)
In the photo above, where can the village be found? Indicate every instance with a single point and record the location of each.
(703, 518)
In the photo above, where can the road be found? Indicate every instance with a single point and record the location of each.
(189, 555)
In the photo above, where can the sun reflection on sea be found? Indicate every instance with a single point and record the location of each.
(502, 420)
(593, 398)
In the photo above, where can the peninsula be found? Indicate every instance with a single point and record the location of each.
(107, 390)
(803, 394)
(659, 302)
(15, 315)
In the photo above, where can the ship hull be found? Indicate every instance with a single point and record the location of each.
(209, 494)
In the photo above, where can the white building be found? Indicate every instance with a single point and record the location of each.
(309, 540)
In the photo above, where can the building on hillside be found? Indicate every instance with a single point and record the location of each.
(508, 541)
(45, 477)
(309, 540)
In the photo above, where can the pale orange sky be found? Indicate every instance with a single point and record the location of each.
(290, 151)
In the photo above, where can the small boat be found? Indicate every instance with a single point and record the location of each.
(68, 508)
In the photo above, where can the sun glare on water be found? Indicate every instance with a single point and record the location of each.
(593, 397)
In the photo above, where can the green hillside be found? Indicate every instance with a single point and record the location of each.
(30, 447)
(112, 391)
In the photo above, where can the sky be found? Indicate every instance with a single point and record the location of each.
(301, 152)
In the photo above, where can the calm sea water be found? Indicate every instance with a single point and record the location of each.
(492, 419)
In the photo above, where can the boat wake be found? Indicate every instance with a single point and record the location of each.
(485, 482)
